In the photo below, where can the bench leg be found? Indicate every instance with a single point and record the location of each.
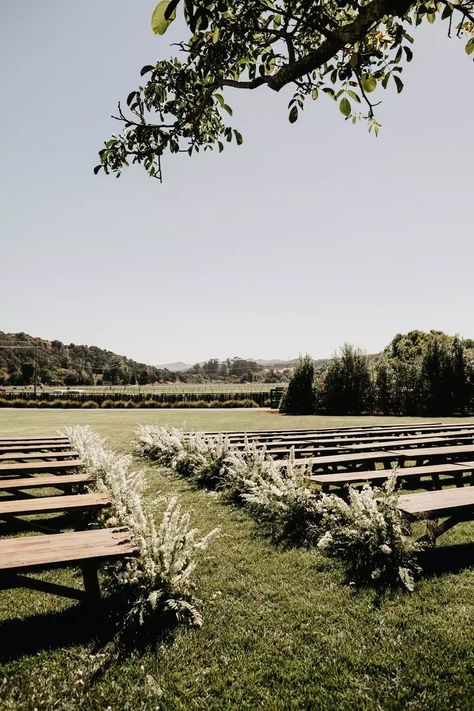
(91, 582)
(434, 529)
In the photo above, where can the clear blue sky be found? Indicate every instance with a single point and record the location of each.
(305, 237)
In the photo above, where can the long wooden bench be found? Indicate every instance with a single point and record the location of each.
(38, 467)
(25, 456)
(355, 462)
(16, 440)
(52, 504)
(454, 505)
(87, 549)
(456, 469)
(59, 447)
(307, 441)
(362, 433)
(59, 481)
(324, 448)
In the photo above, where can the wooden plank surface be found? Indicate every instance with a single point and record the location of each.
(46, 438)
(301, 449)
(392, 439)
(345, 431)
(434, 504)
(50, 504)
(34, 467)
(45, 480)
(35, 447)
(31, 552)
(396, 455)
(45, 456)
(383, 475)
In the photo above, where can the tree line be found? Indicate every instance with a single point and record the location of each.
(430, 374)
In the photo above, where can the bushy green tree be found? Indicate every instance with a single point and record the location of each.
(300, 396)
(348, 51)
(348, 384)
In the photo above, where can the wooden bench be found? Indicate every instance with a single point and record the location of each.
(58, 447)
(355, 462)
(88, 549)
(325, 481)
(52, 504)
(25, 456)
(29, 440)
(454, 505)
(327, 447)
(61, 481)
(38, 467)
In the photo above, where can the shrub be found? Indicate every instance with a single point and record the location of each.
(89, 404)
(300, 395)
(281, 501)
(368, 533)
(158, 582)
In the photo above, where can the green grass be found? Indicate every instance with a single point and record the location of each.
(281, 629)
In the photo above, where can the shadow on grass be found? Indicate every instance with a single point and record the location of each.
(75, 625)
(100, 626)
(447, 559)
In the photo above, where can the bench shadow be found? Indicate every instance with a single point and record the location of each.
(36, 633)
(447, 559)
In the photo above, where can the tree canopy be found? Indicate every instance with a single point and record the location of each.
(347, 50)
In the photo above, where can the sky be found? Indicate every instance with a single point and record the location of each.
(307, 236)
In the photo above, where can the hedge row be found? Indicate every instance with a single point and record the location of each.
(128, 404)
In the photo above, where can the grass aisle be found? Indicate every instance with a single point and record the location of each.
(281, 629)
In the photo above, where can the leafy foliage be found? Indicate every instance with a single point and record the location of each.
(368, 533)
(300, 396)
(348, 51)
(158, 582)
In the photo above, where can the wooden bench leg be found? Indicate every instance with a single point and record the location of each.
(434, 529)
(91, 582)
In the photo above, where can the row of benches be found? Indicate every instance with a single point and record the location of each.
(56, 467)
(427, 456)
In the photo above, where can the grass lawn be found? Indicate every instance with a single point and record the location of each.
(282, 629)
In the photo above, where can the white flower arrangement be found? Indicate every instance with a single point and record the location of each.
(368, 532)
(159, 580)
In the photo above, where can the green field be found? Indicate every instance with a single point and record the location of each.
(282, 630)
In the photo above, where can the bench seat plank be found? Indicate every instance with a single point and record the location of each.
(44, 447)
(31, 552)
(355, 442)
(434, 504)
(50, 504)
(397, 455)
(44, 480)
(37, 467)
(383, 475)
(17, 456)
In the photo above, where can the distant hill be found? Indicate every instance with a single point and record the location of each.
(61, 364)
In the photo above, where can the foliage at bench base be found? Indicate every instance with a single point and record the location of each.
(368, 533)
(158, 582)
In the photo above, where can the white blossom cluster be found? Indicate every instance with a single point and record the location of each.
(159, 579)
(368, 532)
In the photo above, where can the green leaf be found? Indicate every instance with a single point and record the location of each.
(293, 115)
(398, 83)
(470, 46)
(238, 137)
(146, 69)
(215, 35)
(369, 83)
(345, 107)
(159, 21)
